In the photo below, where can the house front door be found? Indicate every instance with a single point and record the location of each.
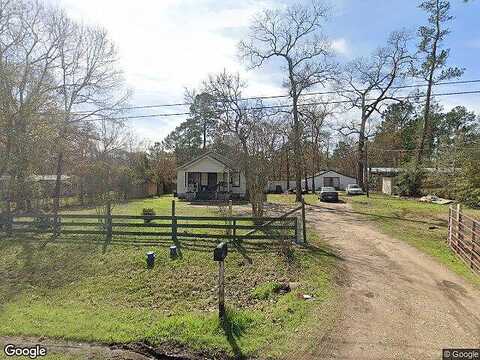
(212, 181)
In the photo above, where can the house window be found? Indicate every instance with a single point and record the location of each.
(331, 182)
(235, 179)
(193, 181)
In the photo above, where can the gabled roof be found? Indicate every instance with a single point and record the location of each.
(213, 155)
(322, 172)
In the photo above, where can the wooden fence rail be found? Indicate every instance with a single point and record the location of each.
(111, 227)
(464, 237)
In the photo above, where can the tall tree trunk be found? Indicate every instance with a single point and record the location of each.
(313, 175)
(6, 157)
(426, 125)
(297, 146)
(297, 151)
(288, 169)
(58, 184)
(430, 83)
(82, 192)
(314, 162)
(361, 149)
(328, 154)
(361, 156)
(306, 181)
(204, 135)
(246, 169)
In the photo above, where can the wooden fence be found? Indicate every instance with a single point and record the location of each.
(118, 228)
(464, 237)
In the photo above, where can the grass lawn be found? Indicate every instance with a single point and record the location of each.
(78, 292)
(411, 221)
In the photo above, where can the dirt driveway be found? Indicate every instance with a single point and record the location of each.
(397, 302)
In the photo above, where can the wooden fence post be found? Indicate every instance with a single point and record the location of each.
(108, 222)
(174, 223)
(295, 223)
(9, 220)
(234, 222)
(450, 214)
(230, 214)
(56, 224)
(474, 238)
(459, 223)
(304, 227)
(221, 290)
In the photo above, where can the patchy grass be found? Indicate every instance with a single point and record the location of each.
(423, 225)
(290, 198)
(78, 292)
(162, 205)
(265, 291)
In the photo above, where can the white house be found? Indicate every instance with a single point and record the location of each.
(210, 177)
(328, 178)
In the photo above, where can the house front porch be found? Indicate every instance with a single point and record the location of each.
(211, 186)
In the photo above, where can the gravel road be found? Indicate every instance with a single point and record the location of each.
(398, 303)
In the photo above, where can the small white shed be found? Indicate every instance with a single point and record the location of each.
(329, 178)
(210, 177)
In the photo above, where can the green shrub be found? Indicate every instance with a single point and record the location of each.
(43, 223)
(265, 291)
(149, 213)
(467, 186)
(410, 180)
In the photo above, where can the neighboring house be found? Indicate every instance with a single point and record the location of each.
(329, 178)
(322, 178)
(210, 177)
(46, 183)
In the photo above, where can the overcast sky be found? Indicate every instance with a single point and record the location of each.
(167, 45)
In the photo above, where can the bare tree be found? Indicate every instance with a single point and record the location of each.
(433, 61)
(295, 36)
(263, 144)
(88, 81)
(27, 53)
(234, 113)
(369, 83)
(314, 118)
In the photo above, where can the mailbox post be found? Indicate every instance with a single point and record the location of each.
(219, 254)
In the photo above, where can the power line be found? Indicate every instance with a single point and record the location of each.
(282, 106)
(139, 107)
(414, 150)
(346, 91)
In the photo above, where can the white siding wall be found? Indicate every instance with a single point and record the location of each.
(243, 186)
(204, 166)
(181, 186)
(319, 180)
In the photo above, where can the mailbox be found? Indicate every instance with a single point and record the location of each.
(150, 259)
(220, 252)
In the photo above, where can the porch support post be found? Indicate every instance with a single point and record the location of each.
(228, 180)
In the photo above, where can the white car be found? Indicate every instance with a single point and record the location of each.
(354, 189)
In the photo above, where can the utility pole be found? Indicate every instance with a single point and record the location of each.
(366, 172)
